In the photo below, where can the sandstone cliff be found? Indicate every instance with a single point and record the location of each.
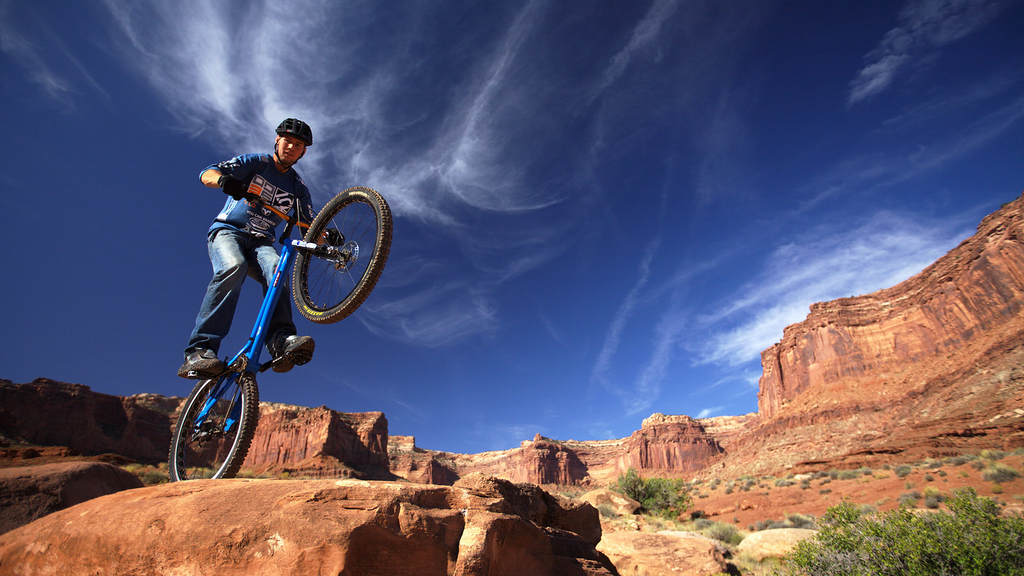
(74, 421)
(930, 367)
(49, 413)
(893, 340)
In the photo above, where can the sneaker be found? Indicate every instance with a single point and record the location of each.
(291, 351)
(201, 364)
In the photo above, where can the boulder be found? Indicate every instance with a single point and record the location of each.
(345, 527)
(28, 493)
(773, 543)
(667, 553)
(620, 504)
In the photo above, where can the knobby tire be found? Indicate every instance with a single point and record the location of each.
(203, 449)
(327, 289)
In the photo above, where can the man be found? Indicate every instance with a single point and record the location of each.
(241, 242)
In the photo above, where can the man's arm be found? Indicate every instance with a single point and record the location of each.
(210, 178)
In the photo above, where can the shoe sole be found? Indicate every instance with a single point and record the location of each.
(300, 355)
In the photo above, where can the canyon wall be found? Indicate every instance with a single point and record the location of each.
(966, 302)
(310, 442)
(48, 413)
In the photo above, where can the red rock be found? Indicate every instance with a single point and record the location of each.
(49, 413)
(673, 444)
(272, 527)
(665, 553)
(30, 492)
(319, 442)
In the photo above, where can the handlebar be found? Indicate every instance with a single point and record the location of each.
(292, 219)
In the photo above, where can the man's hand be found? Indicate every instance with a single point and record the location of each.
(233, 187)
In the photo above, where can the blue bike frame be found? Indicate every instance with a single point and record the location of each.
(249, 355)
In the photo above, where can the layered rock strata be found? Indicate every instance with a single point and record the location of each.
(319, 442)
(889, 342)
(48, 413)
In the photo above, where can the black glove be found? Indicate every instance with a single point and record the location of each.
(232, 187)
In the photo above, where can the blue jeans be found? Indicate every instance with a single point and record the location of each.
(235, 255)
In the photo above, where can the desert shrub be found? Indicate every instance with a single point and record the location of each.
(931, 502)
(903, 470)
(997, 488)
(993, 454)
(960, 460)
(802, 521)
(928, 478)
(1000, 473)
(805, 484)
(909, 498)
(972, 539)
(150, 477)
(607, 511)
(847, 475)
(791, 521)
(978, 465)
(665, 497)
(723, 533)
(783, 482)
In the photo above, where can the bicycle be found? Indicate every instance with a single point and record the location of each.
(332, 276)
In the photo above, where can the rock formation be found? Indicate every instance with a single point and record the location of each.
(481, 526)
(928, 368)
(669, 443)
(31, 492)
(48, 413)
(937, 322)
(308, 442)
(666, 553)
(319, 443)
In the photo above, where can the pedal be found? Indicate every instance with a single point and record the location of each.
(300, 357)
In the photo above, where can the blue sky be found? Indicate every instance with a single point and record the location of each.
(602, 209)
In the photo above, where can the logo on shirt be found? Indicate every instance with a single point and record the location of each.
(265, 220)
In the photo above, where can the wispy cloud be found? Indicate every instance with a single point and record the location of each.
(49, 63)
(231, 71)
(435, 316)
(599, 373)
(924, 26)
(644, 36)
(822, 265)
(877, 171)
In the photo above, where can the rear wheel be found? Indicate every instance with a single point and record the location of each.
(353, 232)
(215, 428)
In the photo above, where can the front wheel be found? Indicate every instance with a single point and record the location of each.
(215, 428)
(353, 233)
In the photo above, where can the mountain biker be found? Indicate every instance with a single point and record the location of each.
(241, 242)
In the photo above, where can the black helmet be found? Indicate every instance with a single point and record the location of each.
(296, 128)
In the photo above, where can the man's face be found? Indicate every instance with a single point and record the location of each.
(289, 149)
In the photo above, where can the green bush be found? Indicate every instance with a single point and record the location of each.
(723, 533)
(1000, 473)
(666, 497)
(971, 540)
(903, 471)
